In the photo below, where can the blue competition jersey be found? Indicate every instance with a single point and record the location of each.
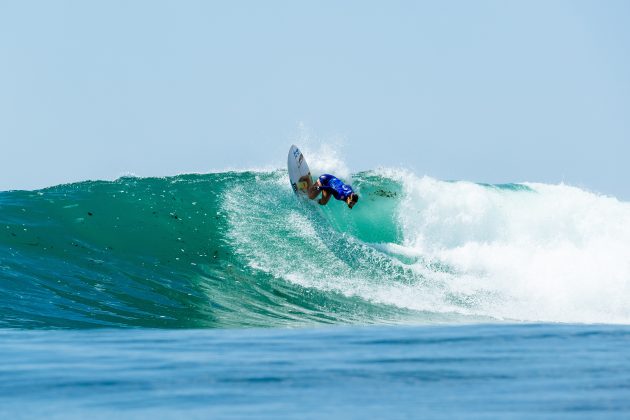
(338, 189)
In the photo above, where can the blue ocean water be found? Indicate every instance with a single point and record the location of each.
(480, 371)
(222, 296)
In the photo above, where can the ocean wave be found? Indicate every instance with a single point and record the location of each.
(236, 249)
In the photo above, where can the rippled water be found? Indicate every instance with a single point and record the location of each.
(521, 371)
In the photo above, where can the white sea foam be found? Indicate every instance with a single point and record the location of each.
(551, 253)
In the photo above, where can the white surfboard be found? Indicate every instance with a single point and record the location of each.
(297, 168)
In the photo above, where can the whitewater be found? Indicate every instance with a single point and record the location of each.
(237, 249)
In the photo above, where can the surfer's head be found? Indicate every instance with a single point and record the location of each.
(352, 199)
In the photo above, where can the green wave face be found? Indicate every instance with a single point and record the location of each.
(217, 250)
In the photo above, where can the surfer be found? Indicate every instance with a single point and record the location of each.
(330, 186)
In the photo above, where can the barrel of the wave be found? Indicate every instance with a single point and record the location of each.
(298, 169)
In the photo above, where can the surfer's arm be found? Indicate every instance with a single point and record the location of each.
(325, 197)
(313, 189)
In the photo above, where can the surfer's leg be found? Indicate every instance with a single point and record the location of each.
(304, 183)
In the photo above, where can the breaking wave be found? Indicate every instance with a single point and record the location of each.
(238, 249)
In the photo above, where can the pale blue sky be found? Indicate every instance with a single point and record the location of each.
(487, 91)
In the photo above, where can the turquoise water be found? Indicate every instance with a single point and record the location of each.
(222, 295)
